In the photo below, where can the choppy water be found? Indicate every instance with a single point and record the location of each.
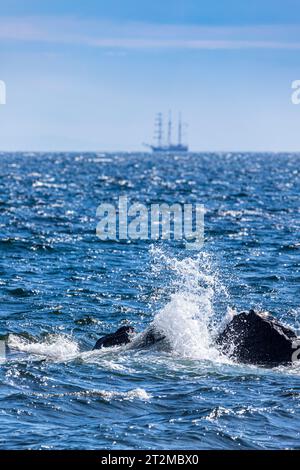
(61, 288)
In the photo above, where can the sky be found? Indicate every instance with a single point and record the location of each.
(91, 74)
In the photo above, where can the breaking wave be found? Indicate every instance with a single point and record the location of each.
(188, 320)
(107, 395)
(55, 347)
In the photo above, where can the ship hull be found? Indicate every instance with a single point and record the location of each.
(170, 148)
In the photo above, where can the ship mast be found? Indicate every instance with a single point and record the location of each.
(179, 130)
(162, 141)
(170, 130)
(158, 129)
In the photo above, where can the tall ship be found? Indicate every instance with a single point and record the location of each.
(163, 144)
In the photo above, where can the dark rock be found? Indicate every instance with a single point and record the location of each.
(257, 338)
(122, 336)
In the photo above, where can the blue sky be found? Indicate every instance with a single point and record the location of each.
(90, 75)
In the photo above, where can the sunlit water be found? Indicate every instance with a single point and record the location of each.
(62, 288)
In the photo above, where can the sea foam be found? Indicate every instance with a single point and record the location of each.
(187, 320)
(55, 347)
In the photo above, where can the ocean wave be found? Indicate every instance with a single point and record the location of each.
(54, 346)
(107, 395)
(187, 319)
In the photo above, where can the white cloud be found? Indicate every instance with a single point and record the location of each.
(133, 35)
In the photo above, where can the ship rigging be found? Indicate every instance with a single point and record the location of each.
(162, 145)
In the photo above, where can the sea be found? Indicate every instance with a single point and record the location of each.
(62, 288)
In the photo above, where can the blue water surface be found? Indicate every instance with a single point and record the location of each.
(62, 288)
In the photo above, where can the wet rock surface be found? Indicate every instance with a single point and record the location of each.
(257, 338)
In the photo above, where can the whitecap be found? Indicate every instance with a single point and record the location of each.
(56, 347)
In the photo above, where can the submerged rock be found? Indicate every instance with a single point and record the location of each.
(257, 338)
